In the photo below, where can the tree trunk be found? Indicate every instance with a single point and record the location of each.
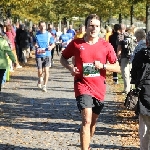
(147, 17)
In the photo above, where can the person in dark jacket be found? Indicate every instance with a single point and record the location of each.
(113, 40)
(24, 43)
(144, 104)
(19, 51)
(141, 73)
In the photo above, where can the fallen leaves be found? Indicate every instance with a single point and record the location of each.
(128, 125)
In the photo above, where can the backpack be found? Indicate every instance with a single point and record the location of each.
(128, 44)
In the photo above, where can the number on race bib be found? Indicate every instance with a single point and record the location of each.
(89, 70)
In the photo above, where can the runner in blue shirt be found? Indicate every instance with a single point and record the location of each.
(71, 31)
(65, 39)
(44, 43)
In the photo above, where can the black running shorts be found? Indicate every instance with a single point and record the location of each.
(87, 101)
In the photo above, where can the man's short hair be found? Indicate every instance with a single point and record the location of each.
(41, 22)
(22, 26)
(117, 27)
(91, 16)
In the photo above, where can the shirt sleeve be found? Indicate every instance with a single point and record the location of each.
(74, 33)
(34, 39)
(69, 51)
(8, 51)
(70, 37)
(111, 55)
(51, 40)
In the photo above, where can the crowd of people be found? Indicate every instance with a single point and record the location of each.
(93, 49)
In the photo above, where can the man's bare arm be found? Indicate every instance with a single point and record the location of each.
(113, 67)
(50, 47)
(65, 63)
(109, 67)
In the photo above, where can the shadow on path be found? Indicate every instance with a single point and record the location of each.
(16, 111)
(12, 147)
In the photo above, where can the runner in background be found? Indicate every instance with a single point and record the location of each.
(65, 39)
(71, 31)
(44, 43)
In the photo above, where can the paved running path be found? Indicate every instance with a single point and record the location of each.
(33, 120)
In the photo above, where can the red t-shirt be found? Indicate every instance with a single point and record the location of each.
(84, 53)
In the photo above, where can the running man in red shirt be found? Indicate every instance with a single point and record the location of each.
(89, 71)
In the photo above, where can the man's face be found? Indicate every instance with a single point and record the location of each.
(82, 29)
(8, 21)
(42, 27)
(65, 30)
(70, 26)
(93, 28)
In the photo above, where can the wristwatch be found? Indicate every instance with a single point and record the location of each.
(104, 66)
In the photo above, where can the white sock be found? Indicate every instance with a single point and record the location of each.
(41, 79)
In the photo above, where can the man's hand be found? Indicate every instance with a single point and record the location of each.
(98, 65)
(74, 71)
(119, 55)
(49, 48)
(64, 43)
(36, 46)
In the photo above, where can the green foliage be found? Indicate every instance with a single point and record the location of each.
(54, 10)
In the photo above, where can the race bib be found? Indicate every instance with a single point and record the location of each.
(41, 51)
(89, 70)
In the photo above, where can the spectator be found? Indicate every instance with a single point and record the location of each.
(123, 56)
(113, 40)
(4, 52)
(24, 43)
(108, 33)
(19, 50)
(141, 41)
(102, 33)
(12, 43)
(140, 73)
(81, 32)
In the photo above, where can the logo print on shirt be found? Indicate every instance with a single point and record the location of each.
(82, 48)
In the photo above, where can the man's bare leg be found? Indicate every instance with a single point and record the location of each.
(85, 128)
(93, 124)
(46, 75)
(40, 75)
